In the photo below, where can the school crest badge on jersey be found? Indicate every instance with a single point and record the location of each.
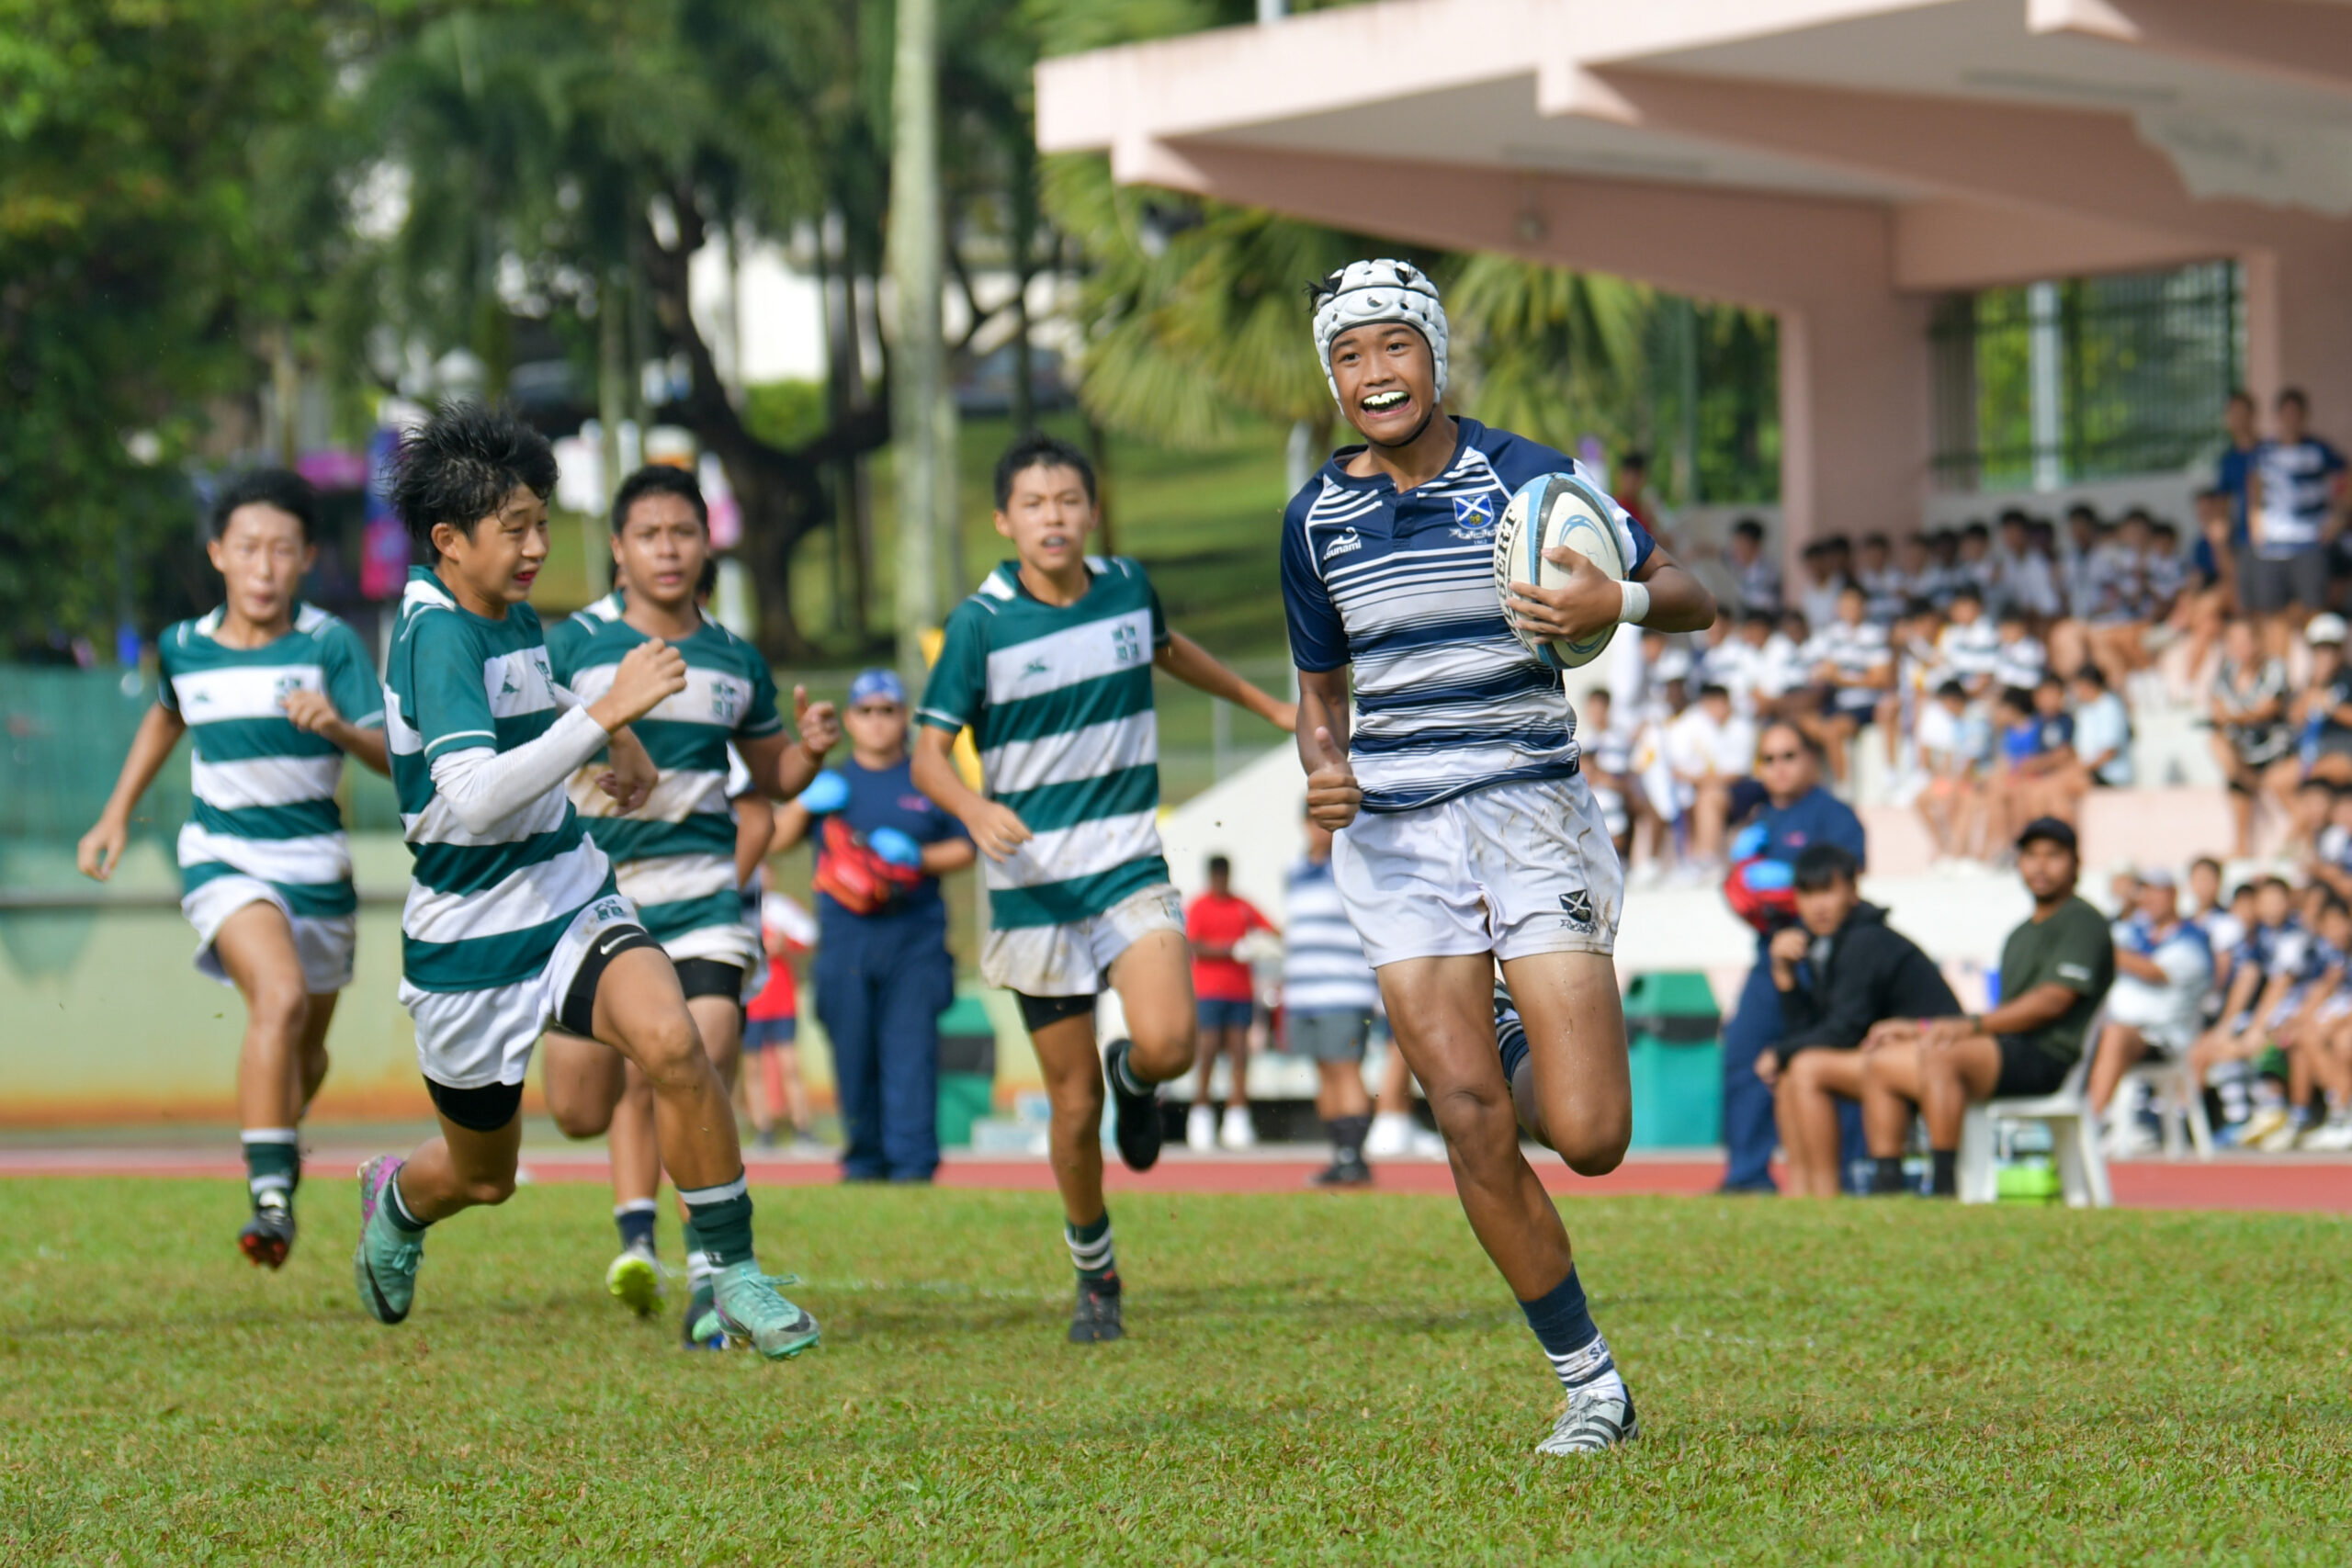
(1473, 516)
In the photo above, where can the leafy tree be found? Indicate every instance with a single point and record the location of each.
(1555, 355)
(1195, 322)
(1195, 312)
(590, 148)
(150, 163)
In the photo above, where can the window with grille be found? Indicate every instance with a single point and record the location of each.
(2089, 379)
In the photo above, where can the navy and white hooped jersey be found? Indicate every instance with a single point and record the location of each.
(2277, 950)
(1402, 587)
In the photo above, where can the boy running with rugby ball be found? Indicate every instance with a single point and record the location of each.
(1466, 835)
(1049, 664)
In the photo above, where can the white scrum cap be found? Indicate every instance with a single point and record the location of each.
(1367, 291)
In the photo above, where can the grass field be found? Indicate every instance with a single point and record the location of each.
(1308, 1379)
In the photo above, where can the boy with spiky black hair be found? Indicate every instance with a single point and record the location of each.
(515, 920)
(276, 693)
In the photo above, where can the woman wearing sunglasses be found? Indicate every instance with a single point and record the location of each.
(1796, 812)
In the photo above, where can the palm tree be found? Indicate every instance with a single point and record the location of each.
(1552, 354)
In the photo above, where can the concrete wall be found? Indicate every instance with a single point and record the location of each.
(104, 1019)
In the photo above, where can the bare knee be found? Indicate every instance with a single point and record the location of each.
(1165, 1047)
(1596, 1146)
(583, 1118)
(1077, 1107)
(670, 1054)
(1480, 1126)
(1877, 1075)
(1936, 1070)
(1078, 1095)
(281, 1005)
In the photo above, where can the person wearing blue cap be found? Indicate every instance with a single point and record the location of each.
(883, 973)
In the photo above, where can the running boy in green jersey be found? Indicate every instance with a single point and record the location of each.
(514, 920)
(1049, 664)
(674, 855)
(276, 693)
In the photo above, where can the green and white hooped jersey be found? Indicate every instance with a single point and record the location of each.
(676, 854)
(264, 790)
(1058, 699)
(487, 909)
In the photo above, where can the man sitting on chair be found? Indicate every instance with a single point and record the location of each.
(1841, 969)
(2164, 971)
(2056, 969)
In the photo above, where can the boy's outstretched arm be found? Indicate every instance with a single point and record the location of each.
(1197, 667)
(100, 850)
(995, 828)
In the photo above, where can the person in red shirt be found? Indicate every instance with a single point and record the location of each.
(772, 1027)
(1221, 983)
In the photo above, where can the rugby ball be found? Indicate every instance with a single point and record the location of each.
(1550, 511)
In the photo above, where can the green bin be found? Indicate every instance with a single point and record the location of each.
(1673, 1033)
(967, 1069)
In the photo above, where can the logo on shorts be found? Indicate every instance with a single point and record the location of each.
(1577, 906)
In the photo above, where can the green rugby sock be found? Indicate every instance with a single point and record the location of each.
(273, 1160)
(396, 1210)
(1089, 1251)
(720, 1222)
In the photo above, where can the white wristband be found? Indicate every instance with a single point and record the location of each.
(1636, 606)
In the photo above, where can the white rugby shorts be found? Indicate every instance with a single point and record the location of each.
(1075, 960)
(323, 943)
(475, 1039)
(1515, 870)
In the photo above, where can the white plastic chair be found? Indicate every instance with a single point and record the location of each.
(2180, 1107)
(2073, 1143)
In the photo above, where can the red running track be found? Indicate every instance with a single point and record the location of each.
(2247, 1183)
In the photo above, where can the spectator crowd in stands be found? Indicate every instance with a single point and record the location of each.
(2252, 992)
(2248, 989)
(1990, 674)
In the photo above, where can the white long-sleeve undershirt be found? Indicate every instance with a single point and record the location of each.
(484, 786)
